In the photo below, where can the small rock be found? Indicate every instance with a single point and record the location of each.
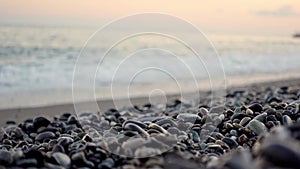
(107, 163)
(62, 159)
(140, 124)
(186, 117)
(5, 157)
(256, 107)
(257, 127)
(261, 117)
(45, 135)
(29, 162)
(245, 121)
(281, 155)
(40, 121)
(134, 127)
(230, 142)
(286, 120)
(249, 112)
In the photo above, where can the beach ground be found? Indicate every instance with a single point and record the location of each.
(20, 114)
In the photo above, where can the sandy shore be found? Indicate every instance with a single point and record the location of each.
(19, 114)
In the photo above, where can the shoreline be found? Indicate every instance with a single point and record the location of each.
(50, 97)
(19, 114)
(181, 135)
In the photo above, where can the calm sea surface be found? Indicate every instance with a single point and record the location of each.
(39, 59)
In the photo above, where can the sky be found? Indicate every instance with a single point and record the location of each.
(229, 16)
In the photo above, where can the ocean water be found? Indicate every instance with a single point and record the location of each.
(37, 63)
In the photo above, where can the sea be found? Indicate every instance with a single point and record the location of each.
(45, 65)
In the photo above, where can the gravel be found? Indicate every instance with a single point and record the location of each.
(255, 128)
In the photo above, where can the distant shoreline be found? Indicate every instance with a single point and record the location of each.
(48, 98)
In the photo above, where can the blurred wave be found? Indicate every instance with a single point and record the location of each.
(42, 58)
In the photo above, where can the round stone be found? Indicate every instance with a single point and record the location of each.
(256, 126)
(45, 135)
(40, 121)
(256, 107)
(281, 155)
(62, 159)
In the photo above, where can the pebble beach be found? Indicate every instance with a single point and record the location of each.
(149, 84)
(258, 126)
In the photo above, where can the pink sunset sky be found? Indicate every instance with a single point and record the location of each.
(244, 16)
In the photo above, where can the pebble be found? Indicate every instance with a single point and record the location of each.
(192, 118)
(140, 124)
(286, 120)
(107, 163)
(58, 148)
(79, 159)
(230, 142)
(62, 159)
(147, 152)
(203, 111)
(29, 162)
(271, 118)
(45, 136)
(5, 157)
(245, 121)
(256, 107)
(134, 127)
(40, 122)
(242, 139)
(233, 133)
(249, 112)
(257, 127)
(158, 128)
(264, 134)
(281, 156)
(261, 117)
(169, 121)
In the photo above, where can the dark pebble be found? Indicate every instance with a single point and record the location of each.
(10, 122)
(40, 121)
(242, 139)
(273, 99)
(271, 118)
(134, 127)
(106, 164)
(65, 141)
(238, 116)
(140, 124)
(281, 156)
(58, 148)
(72, 120)
(80, 160)
(29, 162)
(158, 128)
(45, 136)
(256, 107)
(62, 159)
(5, 157)
(230, 142)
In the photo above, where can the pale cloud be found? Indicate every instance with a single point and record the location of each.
(281, 11)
